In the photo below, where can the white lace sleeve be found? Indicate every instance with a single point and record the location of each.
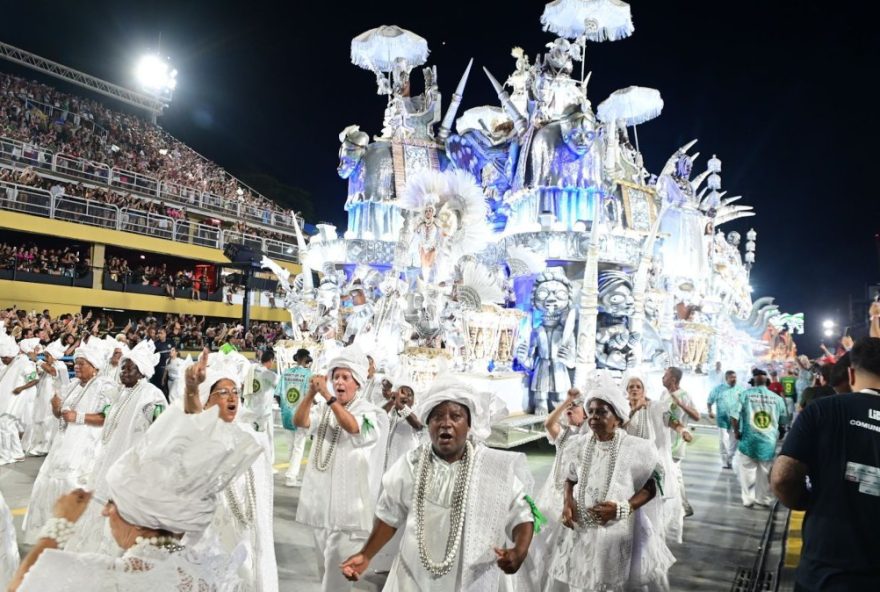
(393, 505)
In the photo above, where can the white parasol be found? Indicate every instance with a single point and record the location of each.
(597, 20)
(378, 48)
(633, 105)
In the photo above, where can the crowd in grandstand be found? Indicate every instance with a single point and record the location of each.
(183, 332)
(46, 118)
(29, 257)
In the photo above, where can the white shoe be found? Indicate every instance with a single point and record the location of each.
(293, 483)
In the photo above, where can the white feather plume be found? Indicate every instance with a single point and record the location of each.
(523, 261)
(477, 277)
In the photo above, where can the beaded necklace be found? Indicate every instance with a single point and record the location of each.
(586, 461)
(116, 412)
(321, 436)
(62, 425)
(163, 543)
(457, 510)
(639, 422)
(245, 517)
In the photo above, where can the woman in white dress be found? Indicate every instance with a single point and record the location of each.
(244, 514)
(8, 545)
(652, 421)
(164, 487)
(79, 412)
(54, 380)
(611, 543)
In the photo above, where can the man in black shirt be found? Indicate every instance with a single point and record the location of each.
(836, 442)
(163, 348)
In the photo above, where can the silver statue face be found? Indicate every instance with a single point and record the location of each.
(350, 156)
(684, 166)
(618, 301)
(552, 297)
(734, 238)
(580, 135)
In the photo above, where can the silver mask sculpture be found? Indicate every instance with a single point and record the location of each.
(551, 350)
(616, 343)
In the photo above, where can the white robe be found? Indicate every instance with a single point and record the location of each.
(38, 435)
(622, 555)
(652, 424)
(176, 383)
(20, 371)
(141, 569)
(344, 496)
(9, 558)
(128, 418)
(258, 572)
(72, 458)
(402, 438)
(495, 506)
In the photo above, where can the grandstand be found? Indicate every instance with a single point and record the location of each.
(75, 172)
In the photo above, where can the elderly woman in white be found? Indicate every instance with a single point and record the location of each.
(612, 542)
(53, 380)
(342, 479)
(164, 487)
(136, 405)
(244, 515)
(463, 508)
(80, 415)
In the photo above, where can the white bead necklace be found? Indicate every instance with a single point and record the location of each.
(165, 543)
(324, 464)
(457, 510)
(116, 411)
(62, 425)
(613, 446)
(245, 517)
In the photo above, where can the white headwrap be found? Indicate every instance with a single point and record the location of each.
(401, 377)
(95, 352)
(114, 343)
(485, 408)
(631, 374)
(351, 358)
(29, 345)
(144, 357)
(170, 479)
(8, 346)
(605, 389)
(222, 365)
(56, 349)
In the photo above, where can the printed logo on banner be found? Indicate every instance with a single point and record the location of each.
(255, 388)
(292, 395)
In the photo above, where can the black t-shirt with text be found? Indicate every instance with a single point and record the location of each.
(838, 438)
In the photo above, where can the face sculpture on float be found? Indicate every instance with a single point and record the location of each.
(616, 343)
(551, 351)
(352, 150)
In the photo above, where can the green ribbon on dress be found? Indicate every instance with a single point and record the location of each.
(367, 425)
(540, 520)
(657, 476)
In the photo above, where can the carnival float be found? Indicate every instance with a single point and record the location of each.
(523, 245)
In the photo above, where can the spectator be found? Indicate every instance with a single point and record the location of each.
(836, 443)
(821, 387)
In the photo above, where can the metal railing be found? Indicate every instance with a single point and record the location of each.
(38, 202)
(147, 185)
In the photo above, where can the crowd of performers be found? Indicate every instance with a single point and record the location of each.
(398, 483)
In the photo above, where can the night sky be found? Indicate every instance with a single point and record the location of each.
(779, 90)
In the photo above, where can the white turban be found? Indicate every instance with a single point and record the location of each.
(631, 374)
(351, 358)
(144, 357)
(485, 408)
(114, 343)
(402, 377)
(29, 345)
(8, 347)
(224, 365)
(171, 478)
(605, 389)
(95, 352)
(56, 349)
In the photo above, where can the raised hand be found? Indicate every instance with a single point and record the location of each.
(195, 374)
(72, 505)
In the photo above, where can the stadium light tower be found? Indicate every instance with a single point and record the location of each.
(155, 76)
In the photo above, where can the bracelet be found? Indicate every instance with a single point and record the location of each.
(405, 412)
(80, 418)
(331, 400)
(58, 529)
(624, 509)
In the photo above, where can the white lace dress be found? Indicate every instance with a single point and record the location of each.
(72, 457)
(127, 420)
(38, 435)
(652, 424)
(143, 568)
(20, 371)
(8, 545)
(623, 555)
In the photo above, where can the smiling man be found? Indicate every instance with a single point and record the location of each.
(463, 506)
(344, 473)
